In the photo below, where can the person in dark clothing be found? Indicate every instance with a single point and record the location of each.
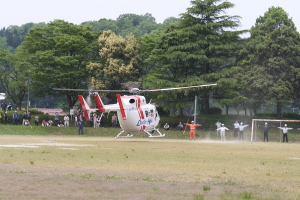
(266, 129)
(5, 118)
(15, 118)
(102, 119)
(80, 127)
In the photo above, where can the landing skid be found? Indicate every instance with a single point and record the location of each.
(150, 135)
(124, 136)
(153, 132)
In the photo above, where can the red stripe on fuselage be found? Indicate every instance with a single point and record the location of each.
(82, 103)
(140, 111)
(138, 105)
(121, 106)
(99, 103)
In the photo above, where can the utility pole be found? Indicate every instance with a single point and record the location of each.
(195, 109)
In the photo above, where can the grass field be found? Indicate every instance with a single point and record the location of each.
(56, 163)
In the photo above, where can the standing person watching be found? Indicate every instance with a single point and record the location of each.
(80, 127)
(192, 129)
(56, 119)
(36, 119)
(218, 125)
(114, 120)
(285, 130)
(66, 120)
(16, 118)
(236, 128)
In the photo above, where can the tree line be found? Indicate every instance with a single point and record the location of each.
(202, 46)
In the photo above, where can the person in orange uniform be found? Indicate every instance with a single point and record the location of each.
(192, 129)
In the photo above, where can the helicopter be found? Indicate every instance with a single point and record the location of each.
(133, 112)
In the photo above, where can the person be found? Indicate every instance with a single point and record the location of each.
(44, 123)
(50, 122)
(27, 123)
(285, 130)
(36, 119)
(266, 129)
(222, 132)
(76, 120)
(166, 126)
(102, 120)
(5, 118)
(98, 121)
(192, 129)
(91, 120)
(80, 127)
(25, 117)
(218, 125)
(180, 126)
(15, 118)
(3, 106)
(114, 120)
(236, 129)
(95, 120)
(60, 124)
(66, 120)
(56, 118)
(241, 129)
(9, 106)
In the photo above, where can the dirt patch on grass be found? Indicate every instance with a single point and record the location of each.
(50, 183)
(55, 133)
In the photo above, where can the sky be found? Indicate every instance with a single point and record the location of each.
(19, 12)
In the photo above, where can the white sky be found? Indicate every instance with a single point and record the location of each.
(18, 12)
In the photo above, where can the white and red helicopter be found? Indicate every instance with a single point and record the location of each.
(134, 113)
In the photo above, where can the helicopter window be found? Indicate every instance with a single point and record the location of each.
(132, 101)
(146, 113)
(151, 113)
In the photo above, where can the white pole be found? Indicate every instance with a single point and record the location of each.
(195, 110)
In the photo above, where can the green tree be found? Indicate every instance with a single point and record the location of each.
(14, 76)
(14, 35)
(59, 53)
(120, 61)
(200, 49)
(3, 45)
(272, 58)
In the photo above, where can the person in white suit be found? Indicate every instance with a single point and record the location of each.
(222, 130)
(285, 130)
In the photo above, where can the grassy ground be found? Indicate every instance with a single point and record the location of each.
(274, 134)
(56, 163)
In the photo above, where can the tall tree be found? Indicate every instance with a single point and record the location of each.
(119, 62)
(200, 49)
(59, 53)
(14, 76)
(272, 58)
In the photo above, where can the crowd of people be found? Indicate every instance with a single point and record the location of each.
(238, 130)
(99, 120)
(56, 120)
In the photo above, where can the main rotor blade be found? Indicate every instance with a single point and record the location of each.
(84, 90)
(178, 88)
(134, 90)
